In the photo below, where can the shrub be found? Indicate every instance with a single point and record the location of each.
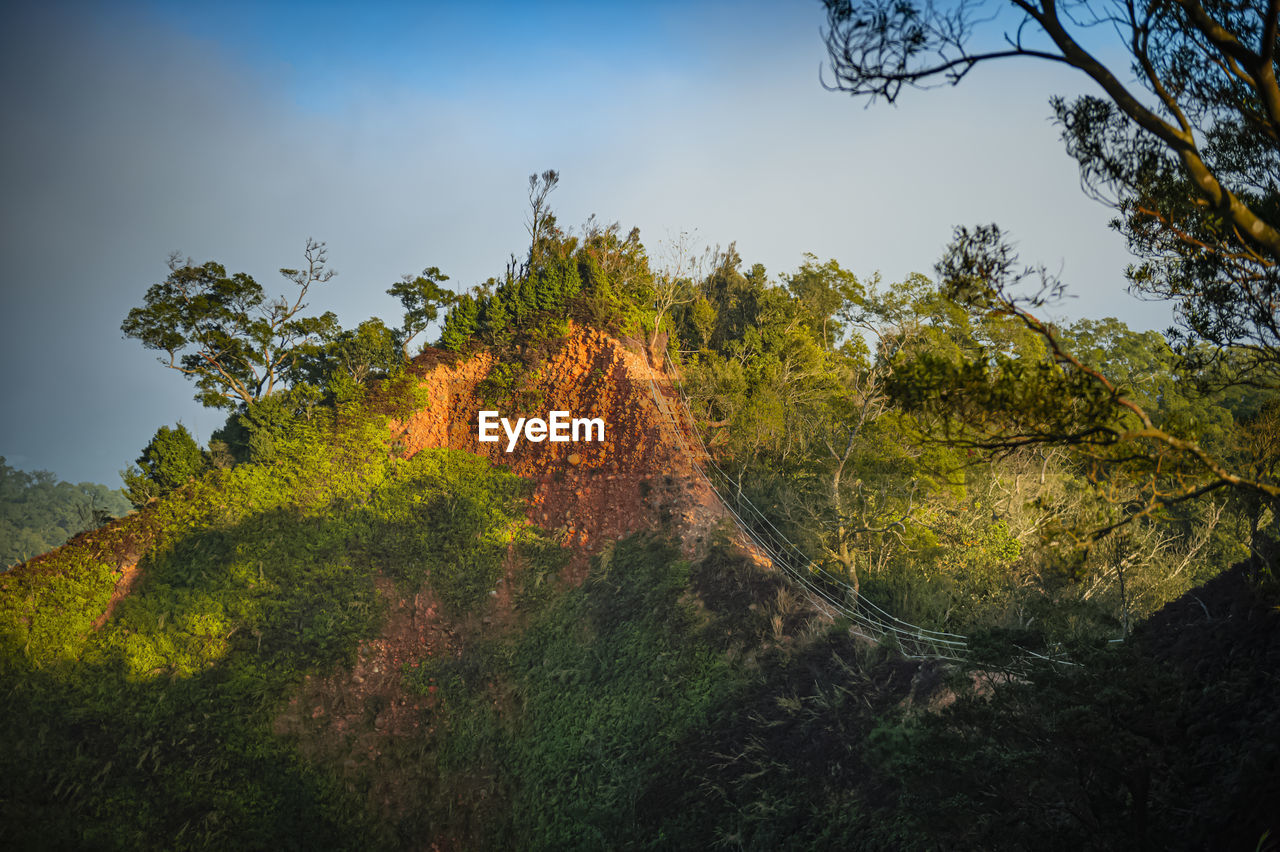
(170, 459)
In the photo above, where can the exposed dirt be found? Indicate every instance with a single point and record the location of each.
(354, 719)
(127, 578)
(642, 476)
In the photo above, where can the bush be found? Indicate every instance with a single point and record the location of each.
(170, 459)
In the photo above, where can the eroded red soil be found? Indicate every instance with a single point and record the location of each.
(642, 476)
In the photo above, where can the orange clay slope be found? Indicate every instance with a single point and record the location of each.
(642, 476)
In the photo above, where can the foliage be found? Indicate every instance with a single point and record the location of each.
(1190, 166)
(460, 323)
(223, 333)
(169, 460)
(349, 356)
(422, 297)
(156, 731)
(573, 720)
(1189, 163)
(600, 278)
(1171, 446)
(826, 396)
(1118, 750)
(38, 513)
(664, 703)
(255, 435)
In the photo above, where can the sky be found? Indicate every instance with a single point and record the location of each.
(403, 134)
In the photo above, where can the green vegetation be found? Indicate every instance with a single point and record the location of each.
(38, 513)
(573, 718)
(155, 731)
(661, 703)
(170, 459)
(243, 349)
(929, 445)
(599, 278)
(223, 332)
(857, 416)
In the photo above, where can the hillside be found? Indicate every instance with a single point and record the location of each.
(590, 495)
(128, 598)
(385, 633)
(641, 477)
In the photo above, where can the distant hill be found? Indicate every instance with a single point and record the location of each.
(38, 512)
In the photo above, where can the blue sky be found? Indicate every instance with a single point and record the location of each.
(403, 133)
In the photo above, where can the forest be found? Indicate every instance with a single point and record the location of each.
(38, 513)
(309, 635)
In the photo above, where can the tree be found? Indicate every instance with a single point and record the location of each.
(821, 291)
(422, 297)
(1001, 401)
(675, 281)
(221, 331)
(170, 459)
(460, 323)
(542, 222)
(355, 355)
(1187, 150)
(795, 388)
(38, 513)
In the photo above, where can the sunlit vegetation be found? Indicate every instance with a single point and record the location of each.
(155, 730)
(928, 452)
(817, 395)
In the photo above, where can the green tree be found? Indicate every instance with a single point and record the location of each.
(38, 513)
(170, 459)
(495, 321)
(422, 297)
(675, 282)
(222, 332)
(460, 323)
(1187, 151)
(356, 355)
(1000, 401)
(822, 289)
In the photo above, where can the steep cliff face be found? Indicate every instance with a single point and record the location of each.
(641, 476)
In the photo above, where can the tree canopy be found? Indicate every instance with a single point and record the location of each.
(170, 458)
(422, 297)
(38, 512)
(1184, 142)
(222, 332)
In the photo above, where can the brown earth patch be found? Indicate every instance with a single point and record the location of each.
(642, 476)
